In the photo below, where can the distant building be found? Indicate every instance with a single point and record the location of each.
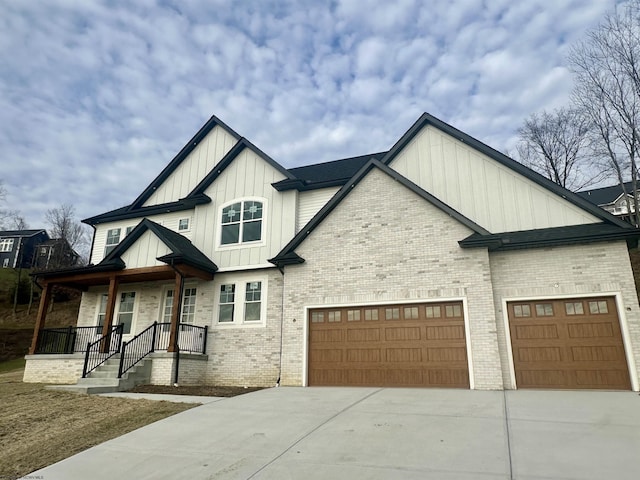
(54, 253)
(17, 247)
(612, 199)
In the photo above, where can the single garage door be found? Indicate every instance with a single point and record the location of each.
(569, 343)
(418, 345)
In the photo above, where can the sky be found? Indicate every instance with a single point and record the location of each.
(96, 97)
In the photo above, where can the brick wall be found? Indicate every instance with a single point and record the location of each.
(62, 369)
(564, 271)
(385, 243)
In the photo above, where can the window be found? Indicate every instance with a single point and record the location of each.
(227, 299)
(452, 311)
(317, 317)
(410, 313)
(128, 230)
(598, 307)
(241, 222)
(433, 312)
(252, 302)
(113, 238)
(574, 308)
(6, 244)
(188, 306)
(5, 263)
(371, 315)
(102, 309)
(242, 303)
(392, 313)
(43, 251)
(353, 315)
(544, 309)
(522, 310)
(333, 316)
(125, 311)
(183, 225)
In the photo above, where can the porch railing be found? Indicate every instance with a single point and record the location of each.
(66, 339)
(94, 356)
(137, 348)
(191, 338)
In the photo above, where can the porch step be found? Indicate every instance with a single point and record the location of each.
(104, 379)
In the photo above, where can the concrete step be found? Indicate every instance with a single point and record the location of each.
(90, 381)
(83, 389)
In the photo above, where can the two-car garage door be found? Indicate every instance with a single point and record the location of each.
(389, 345)
(568, 344)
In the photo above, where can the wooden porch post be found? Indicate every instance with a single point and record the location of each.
(45, 299)
(111, 308)
(175, 313)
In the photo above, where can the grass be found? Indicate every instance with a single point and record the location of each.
(39, 427)
(10, 365)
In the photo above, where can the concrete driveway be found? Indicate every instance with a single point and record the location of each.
(374, 433)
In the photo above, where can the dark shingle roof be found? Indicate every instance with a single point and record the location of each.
(20, 233)
(604, 195)
(547, 237)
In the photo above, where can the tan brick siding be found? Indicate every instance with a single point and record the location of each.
(63, 369)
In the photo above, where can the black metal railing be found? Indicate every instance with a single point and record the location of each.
(137, 348)
(66, 339)
(192, 339)
(102, 349)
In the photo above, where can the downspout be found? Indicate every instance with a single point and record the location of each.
(281, 269)
(177, 352)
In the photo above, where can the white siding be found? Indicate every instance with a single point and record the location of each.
(248, 176)
(194, 168)
(309, 203)
(144, 251)
(490, 194)
(169, 220)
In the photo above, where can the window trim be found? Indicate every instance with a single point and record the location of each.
(116, 310)
(163, 303)
(109, 247)
(239, 304)
(6, 245)
(184, 230)
(240, 243)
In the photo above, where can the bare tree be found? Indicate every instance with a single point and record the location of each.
(18, 222)
(607, 91)
(555, 145)
(10, 219)
(63, 225)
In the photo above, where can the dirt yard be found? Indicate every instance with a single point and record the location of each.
(39, 427)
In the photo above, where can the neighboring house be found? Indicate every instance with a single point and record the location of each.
(612, 199)
(17, 247)
(440, 263)
(55, 253)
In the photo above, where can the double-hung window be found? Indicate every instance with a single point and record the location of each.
(241, 303)
(113, 239)
(188, 306)
(6, 244)
(125, 311)
(241, 222)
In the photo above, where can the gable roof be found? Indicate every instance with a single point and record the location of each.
(182, 250)
(548, 237)
(426, 119)
(179, 158)
(326, 174)
(605, 195)
(287, 255)
(21, 233)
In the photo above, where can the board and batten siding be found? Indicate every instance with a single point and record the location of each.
(247, 177)
(310, 202)
(492, 195)
(169, 220)
(145, 251)
(194, 168)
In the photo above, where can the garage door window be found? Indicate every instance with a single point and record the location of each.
(596, 308)
(574, 308)
(353, 315)
(433, 312)
(370, 315)
(410, 313)
(317, 317)
(333, 316)
(392, 313)
(522, 311)
(544, 310)
(453, 311)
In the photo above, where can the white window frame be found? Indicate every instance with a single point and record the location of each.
(240, 243)
(5, 263)
(6, 244)
(164, 306)
(188, 228)
(109, 247)
(239, 309)
(116, 313)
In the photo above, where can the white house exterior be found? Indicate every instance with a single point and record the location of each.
(438, 263)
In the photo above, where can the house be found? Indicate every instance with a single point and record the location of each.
(54, 254)
(612, 199)
(17, 247)
(438, 263)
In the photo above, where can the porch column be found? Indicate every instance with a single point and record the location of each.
(111, 308)
(45, 300)
(175, 313)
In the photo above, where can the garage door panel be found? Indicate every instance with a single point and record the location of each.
(572, 343)
(389, 345)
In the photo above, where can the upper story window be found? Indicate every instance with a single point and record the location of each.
(241, 222)
(183, 225)
(113, 239)
(6, 244)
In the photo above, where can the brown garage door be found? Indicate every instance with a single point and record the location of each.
(389, 345)
(569, 343)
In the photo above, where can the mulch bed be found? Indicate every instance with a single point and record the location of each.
(203, 390)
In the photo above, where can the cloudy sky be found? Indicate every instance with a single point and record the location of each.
(96, 97)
